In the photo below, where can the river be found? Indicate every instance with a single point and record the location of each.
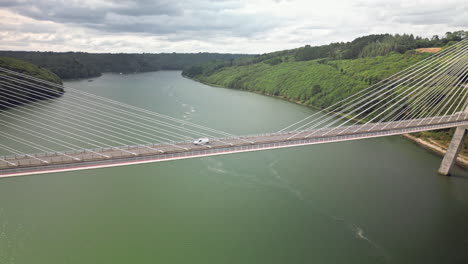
(366, 201)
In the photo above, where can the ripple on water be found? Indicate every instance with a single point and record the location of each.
(11, 240)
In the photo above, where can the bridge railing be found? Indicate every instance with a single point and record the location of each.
(218, 151)
(128, 147)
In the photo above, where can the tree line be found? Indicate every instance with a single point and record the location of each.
(71, 65)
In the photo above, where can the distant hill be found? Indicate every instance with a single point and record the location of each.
(72, 65)
(322, 75)
(11, 92)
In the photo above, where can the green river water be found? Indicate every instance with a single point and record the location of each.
(366, 201)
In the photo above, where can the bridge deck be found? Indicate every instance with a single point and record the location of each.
(54, 162)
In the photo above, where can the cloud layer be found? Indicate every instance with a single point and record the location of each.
(241, 26)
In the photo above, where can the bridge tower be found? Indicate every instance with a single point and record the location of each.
(452, 152)
(454, 148)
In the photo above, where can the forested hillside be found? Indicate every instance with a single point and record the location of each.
(15, 92)
(316, 83)
(362, 47)
(320, 76)
(70, 65)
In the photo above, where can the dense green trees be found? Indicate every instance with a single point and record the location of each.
(29, 68)
(374, 45)
(366, 46)
(70, 65)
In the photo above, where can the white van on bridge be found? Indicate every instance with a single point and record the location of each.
(201, 141)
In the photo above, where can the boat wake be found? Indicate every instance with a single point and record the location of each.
(282, 183)
(359, 233)
(356, 230)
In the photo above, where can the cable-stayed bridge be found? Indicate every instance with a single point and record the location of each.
(91, 131)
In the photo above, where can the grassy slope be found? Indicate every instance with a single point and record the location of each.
(373, 69)
(291, 80)
(295, 81)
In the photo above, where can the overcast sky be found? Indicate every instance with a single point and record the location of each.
(234, 26)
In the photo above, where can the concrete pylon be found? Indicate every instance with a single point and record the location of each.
(453, 150)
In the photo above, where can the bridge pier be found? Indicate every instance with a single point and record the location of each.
(452, 152)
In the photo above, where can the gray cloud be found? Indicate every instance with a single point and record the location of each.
(250, 26)
(146, 16)
(417, 12)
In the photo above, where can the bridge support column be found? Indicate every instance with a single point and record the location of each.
(453, 150)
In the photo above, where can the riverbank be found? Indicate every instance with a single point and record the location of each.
(437, 149)
(427, 144)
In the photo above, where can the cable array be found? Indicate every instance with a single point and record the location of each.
(433, 87)
(84, 121)
(41, 116)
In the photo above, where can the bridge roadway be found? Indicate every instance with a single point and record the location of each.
(99, 158)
